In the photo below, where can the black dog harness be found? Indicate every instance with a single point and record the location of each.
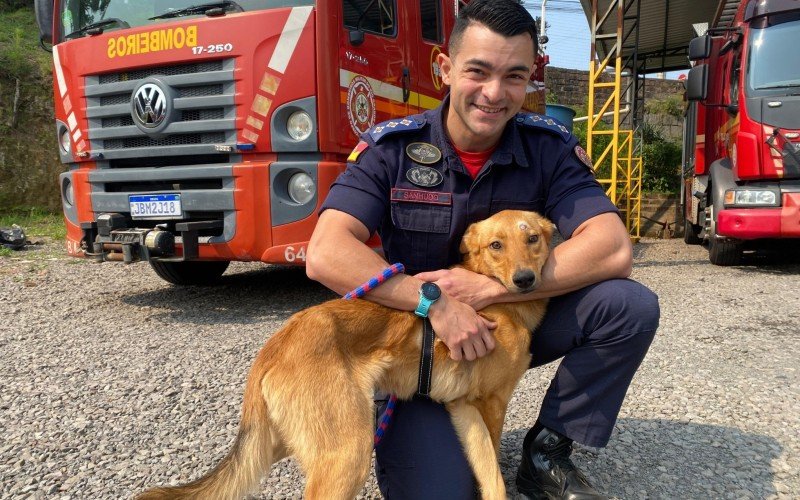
(426, 359)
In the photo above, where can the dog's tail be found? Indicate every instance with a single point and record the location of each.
(252, 454)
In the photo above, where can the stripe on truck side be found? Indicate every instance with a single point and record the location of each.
(62, 84)
(289, 38)
(387, 90)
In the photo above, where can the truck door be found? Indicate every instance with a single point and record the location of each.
(374, 73)
(429, 41)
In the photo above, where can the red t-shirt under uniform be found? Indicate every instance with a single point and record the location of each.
(474, 162)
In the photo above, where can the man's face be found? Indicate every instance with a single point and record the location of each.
(488, 77)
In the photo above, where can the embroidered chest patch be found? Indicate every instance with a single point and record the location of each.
(424, 153)
(424, 176)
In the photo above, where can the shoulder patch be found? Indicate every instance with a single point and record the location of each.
(546, 123)
(381, 130)
(360, 147)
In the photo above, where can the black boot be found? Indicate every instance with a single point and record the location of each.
(546, 472)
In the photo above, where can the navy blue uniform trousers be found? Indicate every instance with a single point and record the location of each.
(602, 331)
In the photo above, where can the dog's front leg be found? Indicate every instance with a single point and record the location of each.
(493, 411)
(477, 443)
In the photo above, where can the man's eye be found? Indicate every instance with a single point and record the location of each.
(496, 245)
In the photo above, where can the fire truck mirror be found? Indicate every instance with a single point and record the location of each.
(356, 37)
(700, 48)
(44, 17)
(697, 83)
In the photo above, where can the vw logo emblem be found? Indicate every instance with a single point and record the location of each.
(149, 105)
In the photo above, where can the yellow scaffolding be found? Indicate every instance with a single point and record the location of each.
(616, 167)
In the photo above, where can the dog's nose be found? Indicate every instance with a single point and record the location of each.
(524, 279)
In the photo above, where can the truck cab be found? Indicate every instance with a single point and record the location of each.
(196, 133)
(742, 171)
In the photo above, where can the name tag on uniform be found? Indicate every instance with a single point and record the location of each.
(416, 196)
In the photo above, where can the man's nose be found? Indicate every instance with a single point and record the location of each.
(493, 90)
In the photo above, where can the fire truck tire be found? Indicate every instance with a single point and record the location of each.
(190, 273)
(722, 252)
(691, 233)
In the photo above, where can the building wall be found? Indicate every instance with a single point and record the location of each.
(571, 88)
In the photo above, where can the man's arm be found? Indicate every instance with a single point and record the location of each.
(599, 249)
(338, 258)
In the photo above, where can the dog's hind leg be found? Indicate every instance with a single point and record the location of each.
(334, 447)
(478, 446)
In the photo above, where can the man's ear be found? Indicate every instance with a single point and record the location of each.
(445, 67)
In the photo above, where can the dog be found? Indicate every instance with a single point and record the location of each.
(309, 392)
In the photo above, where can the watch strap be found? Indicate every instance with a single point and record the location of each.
(423, 306)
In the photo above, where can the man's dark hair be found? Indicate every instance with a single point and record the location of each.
(504, 17)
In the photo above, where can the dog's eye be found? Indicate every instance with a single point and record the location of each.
(496, 245)
(533, 238)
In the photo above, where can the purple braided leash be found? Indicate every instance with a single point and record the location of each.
(359, 292)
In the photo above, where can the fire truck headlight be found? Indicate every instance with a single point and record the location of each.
(301, 188)
(63, 141)
(299, 126)
(743, 197)
(68, 192)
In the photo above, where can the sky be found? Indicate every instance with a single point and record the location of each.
(568, 32)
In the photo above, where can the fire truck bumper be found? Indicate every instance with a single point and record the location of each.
(756, 223)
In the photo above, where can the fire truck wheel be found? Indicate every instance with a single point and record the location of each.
(691, 233)
(190, 273)
(722, 252)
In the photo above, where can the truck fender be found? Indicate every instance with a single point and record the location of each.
(722, 179)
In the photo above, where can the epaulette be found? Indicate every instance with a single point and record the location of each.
(381, 130)
(546, 123)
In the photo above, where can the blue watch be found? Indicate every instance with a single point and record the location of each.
(428, 294)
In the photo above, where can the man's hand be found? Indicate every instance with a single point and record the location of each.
(473, 289)
(463, 331)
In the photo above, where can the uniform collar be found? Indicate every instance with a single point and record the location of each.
(509, 150)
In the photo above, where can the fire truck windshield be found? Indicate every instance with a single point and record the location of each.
(76, 15)
(773, 61)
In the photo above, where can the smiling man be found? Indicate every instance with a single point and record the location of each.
(419, 182)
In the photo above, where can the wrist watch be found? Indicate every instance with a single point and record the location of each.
(428, 294)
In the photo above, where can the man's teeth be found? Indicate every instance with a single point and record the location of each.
(488, 110)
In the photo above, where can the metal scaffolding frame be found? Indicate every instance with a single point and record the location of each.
(618, 162)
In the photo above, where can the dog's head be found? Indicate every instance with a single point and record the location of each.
(511, 246)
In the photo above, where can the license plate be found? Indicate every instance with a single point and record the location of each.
(155, 206)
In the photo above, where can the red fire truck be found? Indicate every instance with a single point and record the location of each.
(200, 133)
(742, 135)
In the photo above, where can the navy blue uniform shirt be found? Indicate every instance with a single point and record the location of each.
(410, 185)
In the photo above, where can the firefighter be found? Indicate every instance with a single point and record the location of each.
(419, 182)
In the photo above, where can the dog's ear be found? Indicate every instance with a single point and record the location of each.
(469, 240)
(547, 229)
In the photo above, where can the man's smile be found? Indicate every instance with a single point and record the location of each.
(489, 110)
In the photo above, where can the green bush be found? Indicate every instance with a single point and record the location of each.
(662, 159)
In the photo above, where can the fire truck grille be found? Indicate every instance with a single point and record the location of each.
(174, 140)
(200, 117)
(141, 74)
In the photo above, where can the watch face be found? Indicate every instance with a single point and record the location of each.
(431, 291)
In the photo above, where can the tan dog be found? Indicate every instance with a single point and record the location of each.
(309, 392)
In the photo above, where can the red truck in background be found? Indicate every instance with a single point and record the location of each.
(197, 134)
(742, 131)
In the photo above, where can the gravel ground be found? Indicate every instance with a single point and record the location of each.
(113, 381)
